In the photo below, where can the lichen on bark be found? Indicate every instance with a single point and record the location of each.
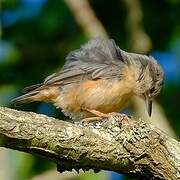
(118, 143)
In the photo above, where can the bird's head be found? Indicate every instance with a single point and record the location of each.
(149, 78)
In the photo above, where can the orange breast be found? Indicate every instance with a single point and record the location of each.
(102, 95)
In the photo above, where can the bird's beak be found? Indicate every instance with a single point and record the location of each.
(148, 100)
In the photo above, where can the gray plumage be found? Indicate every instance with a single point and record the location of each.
(102, 59)
(99, 58)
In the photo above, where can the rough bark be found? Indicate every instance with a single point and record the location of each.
(119, 144)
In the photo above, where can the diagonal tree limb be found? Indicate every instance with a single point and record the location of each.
(86, 18)
(118, 143)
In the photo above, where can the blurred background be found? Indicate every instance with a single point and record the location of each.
(36, 36)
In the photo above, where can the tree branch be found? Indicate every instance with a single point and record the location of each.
(118, 143)
(86, 18)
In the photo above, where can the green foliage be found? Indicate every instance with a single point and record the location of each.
(38, 47)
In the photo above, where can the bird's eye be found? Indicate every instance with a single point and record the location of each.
(152, 90)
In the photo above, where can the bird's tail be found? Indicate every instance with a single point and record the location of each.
(30, 96)
(26, 98)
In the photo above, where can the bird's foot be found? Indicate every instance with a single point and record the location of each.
(99, 116)
(102, 115)
(97, 113)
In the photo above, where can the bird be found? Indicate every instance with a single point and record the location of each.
(97, 79)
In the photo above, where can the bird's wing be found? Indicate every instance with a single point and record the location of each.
(99, 58)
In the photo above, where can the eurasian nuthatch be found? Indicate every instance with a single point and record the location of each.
(98, 77)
